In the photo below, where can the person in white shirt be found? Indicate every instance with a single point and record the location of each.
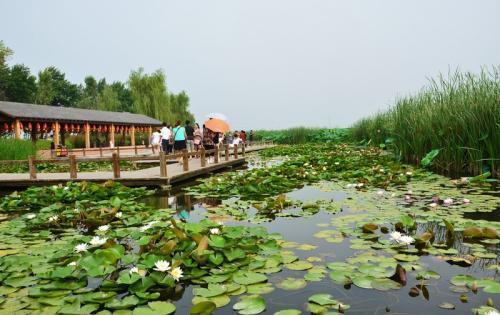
(236, 140)
(166, 135)
(156, 139)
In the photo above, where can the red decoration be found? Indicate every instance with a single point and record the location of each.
(6, 126)
(45, 127)
(117, 129)
(37, 126)
(77, 128)
(105, 128)
(20, 125)
(66, 128)
(30, 126)
(72, 128)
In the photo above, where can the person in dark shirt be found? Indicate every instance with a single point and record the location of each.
(250, 137)
(190, 135)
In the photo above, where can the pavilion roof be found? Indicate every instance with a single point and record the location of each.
(34, 112)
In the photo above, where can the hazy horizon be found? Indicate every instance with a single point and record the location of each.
(266, 65)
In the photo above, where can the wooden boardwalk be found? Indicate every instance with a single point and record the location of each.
(144, 177)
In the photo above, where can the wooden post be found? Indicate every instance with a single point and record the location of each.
(116, 165)
(56, 133)
(150, 133)
(226, 153)
(163, 164)
(203, 161)
(17, 129)
(87, 135)
(185, 160)
(132, 136)
(100, 151)
(243, 149)
(135, 149)
(235, 151)
(32, 166)
(216, 154)
(72, 166)
(118, 151)
(83, 150)
(112, 134)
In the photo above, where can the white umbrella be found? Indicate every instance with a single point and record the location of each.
(217, 116)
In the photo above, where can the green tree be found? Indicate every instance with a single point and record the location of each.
(55, 89)
(89, 93)
(124, 95)
(149, 93)
(108, 100)
(5, 53)
(21, 85)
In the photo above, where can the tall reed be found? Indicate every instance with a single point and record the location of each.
(458, 114)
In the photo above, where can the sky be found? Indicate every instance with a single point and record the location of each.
(265, 64)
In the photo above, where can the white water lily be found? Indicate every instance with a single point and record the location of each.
(66, 188)
(351, 185)
(380, 193)
(103, 228)
(407, 197)
(176, 273)
(324, 168)
(464, 180)
(433, 205)
(133, 270)
(466, 200)
(81, 247)
(53, 218)
(118, 215)
(30, 216)
(395, 236)
(406, 240)
(162, 266)
(448, 201)
(409, 173)
(214, 231)
(336, 163)
(360, 185)
(393, 195)
(97, 241)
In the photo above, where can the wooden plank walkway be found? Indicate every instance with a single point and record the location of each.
(144, 177)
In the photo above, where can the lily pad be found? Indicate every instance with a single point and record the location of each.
(292, 284)
(299, 265)
(250, 305)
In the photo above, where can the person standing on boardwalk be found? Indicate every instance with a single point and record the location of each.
(156, 139)
(165, 134)
(250, 138)
(190, 135)
(243, 136)
(180, 138)
(197, 137)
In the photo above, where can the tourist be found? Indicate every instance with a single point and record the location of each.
(250, 137)
(243, 136)
(156, 140)
(190, 135)
(165, 135)
(180, 137)
(236, 140)
(208, 142)
(197, 137)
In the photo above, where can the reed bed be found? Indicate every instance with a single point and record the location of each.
(458, 114)
(300, 135)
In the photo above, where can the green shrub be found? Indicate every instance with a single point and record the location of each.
(301, 135)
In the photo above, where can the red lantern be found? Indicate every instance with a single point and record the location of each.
(66, 127)
(94, 128)
(30, 126)
(72, 128)
(6, 126)
(46, 127)
(117, 130)
(12, 126)
(104, 128)
(77, 128)
(37, 126)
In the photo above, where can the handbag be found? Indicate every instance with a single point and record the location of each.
(171, 140)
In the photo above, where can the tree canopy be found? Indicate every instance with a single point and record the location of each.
(143, 93)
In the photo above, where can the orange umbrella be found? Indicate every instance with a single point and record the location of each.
(217, 125)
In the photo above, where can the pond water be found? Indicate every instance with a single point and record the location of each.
(362, 301)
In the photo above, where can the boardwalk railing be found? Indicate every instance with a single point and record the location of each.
(162, 158)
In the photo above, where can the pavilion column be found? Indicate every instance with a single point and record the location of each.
(150, 133)
(17, 129)
(57, 128)
(87, 135)
(132, 136)
(112, 134)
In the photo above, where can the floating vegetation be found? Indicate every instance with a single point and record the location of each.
(306, 245)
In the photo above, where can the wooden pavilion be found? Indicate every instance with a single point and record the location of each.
(43, 119)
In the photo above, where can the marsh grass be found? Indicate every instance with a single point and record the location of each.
(12, 149)
(458, 114)
(301, 135)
